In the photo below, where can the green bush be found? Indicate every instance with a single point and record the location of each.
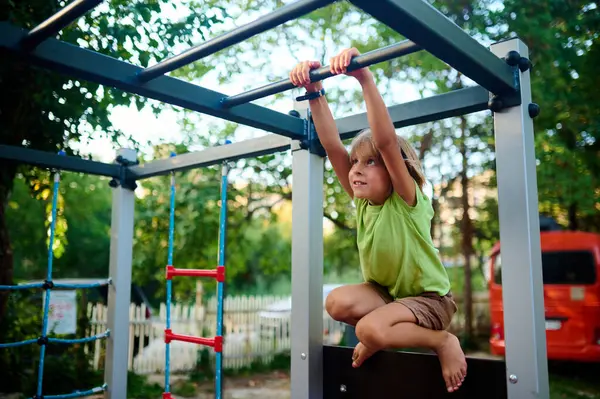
(139, 388)
(66, 367)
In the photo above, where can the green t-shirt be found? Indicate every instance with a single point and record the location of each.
(395, 246)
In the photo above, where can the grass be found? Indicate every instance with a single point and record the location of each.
(139, 387)
(569, 388)
(574, 380)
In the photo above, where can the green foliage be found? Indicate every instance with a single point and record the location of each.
(562, 39)
(565, 181)
(84, 206)
(25, 319)
(25, 221)
(66, 368)
(87, 210)
(138, 387)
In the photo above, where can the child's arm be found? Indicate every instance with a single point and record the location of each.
(382, 127)
(324, 123)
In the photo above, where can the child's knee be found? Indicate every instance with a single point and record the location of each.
(339, 307)
(372, 335)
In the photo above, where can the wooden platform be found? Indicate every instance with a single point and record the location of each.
(406, 375)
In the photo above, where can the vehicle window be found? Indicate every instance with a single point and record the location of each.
(568, 267)
(560, 267)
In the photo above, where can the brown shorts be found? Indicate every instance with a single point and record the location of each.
(431, 310)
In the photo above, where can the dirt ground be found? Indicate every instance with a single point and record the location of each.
(273, 385)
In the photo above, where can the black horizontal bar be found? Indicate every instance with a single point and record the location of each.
(441, 106)
(420, 22)
(237, 35)
(58, 21)
(54, 161)
(90, 65)
(372, 57)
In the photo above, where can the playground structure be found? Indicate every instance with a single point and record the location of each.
(501, 74)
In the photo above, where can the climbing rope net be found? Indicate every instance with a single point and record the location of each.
(48, 285)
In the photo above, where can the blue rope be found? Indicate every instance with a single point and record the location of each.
(20, 343)
(100, 283)
(27, 286)
(105, 334)
(221, 262)
(48, 278)
(78, 394)
(58, 340)
(169, 282)
(21, 286)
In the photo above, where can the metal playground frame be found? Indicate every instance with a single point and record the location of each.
(501, 74)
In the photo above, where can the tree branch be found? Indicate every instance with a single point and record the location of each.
(339, 224)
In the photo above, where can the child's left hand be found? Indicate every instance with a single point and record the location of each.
(339, 64)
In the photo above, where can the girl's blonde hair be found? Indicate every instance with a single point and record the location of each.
(364, 144)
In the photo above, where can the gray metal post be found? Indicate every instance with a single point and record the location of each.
(526, 362)
(119, 292)
(307, 275)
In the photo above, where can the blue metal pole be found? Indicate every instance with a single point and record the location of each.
(169, 283)
(221, 261)
(48, 280)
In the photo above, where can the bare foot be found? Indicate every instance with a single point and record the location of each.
(361, 353)
(454, 364)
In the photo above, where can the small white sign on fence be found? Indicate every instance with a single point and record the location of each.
(62, 315)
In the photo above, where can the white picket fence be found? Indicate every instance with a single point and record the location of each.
(255, 328)
(251, 332)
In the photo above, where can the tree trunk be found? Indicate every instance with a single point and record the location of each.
(7, 175)
(573, 223)
(466, 233)
(426, 143)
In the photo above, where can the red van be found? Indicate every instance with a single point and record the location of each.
(571, 275)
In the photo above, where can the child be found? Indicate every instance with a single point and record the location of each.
(405, 300)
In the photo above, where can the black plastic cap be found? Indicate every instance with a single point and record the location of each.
(524, 64)
(495, 104)
(534, 110)
(512, 58)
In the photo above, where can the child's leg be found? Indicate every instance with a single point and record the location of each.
(351, 303)
(395, 326)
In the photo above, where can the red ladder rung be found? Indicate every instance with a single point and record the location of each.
(216, 342)
(218, 273)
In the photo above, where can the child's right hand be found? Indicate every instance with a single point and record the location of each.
(300, 76)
